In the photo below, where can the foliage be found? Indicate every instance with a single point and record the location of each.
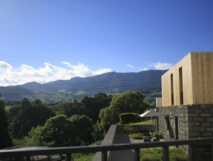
(73, 108)
(33, 138)
(106, 118)
(155, 154)
(122, 103)
(137, 136)
(62, 131)
(83, 157)
(29, 115)
(5, 139)
(178, 154)
(128, 102)
(89, 106)
(93, 105)
(145, 122)
(152, 154)
(58, 131)
(126, 118)
(83, 128)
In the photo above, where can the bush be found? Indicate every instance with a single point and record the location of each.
(58, 131)
(137, 136)
(178, 155)
(122, 103)
(152, 154)
(33, 138)
(83, 128)
(62, 131)
(83, 157)
(155, 154)
(28, 116)
(126, 118)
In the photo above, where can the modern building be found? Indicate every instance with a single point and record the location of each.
(186, 111)
(190, 81)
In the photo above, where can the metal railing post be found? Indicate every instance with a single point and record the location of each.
(104, 156)
(137, 154)
(190, 152)
(68, 157)
(165, 153)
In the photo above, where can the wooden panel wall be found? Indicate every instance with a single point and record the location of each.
(185, 63)
(202, 75)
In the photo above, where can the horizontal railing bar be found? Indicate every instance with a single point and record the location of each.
(100, 148)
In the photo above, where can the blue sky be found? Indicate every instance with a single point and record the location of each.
(121, 35)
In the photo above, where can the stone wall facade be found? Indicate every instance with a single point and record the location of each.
(172, 112)
(194, 121)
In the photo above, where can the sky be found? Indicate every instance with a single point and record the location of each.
(47, 40)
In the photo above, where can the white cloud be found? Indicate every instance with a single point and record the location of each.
(162, 66)
(130, 66)
(46, 73)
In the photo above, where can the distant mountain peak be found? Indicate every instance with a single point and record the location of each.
(108, 82)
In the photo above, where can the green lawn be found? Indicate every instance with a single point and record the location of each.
(83, 157)
(155, 154)
(148, 122)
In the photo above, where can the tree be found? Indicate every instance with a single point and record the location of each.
(93, 105)
(74, 108)
(58, 131)
(128, 102)
(34, 136)
(28, 116)
(83, 129)
(122, 103)
(5, 140)
(106, 118)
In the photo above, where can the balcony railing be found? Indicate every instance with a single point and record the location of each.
(104, 149)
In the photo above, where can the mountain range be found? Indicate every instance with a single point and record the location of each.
(74, 88)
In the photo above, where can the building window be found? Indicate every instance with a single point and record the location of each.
(181, 85)
(172, 90)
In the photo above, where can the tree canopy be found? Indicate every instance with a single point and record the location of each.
(83, 129)
(122, 103)
(27, 116)
(58, 131)
(5, 139)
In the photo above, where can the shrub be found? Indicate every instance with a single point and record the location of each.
(83, 157)
(33, 138)
(83, 128)
(126, 118)
(178, 154)
(58, 131)
(155, 154)
(122, 103)
(152, 154)
(28, 116)
(137, 136)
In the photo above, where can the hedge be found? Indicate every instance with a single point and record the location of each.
(126, 118)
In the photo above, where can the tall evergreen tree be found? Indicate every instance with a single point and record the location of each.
(5, 140)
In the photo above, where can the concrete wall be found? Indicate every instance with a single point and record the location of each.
(197, 76)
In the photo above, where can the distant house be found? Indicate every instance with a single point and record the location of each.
(189, 82)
